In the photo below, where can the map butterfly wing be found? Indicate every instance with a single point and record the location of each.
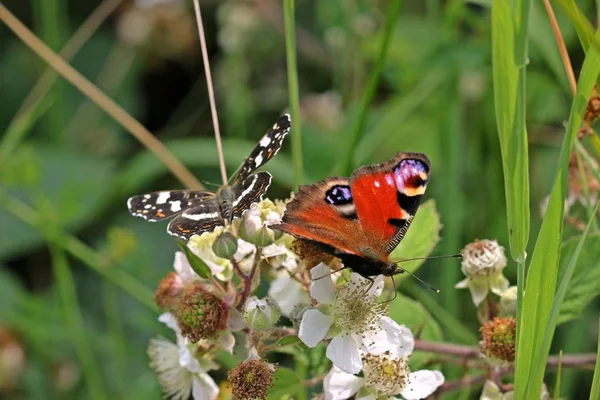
(201, 211)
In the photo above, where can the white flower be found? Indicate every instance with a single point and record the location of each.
(483, 262)
(383, 376)
(179, 372)
(287, 292)
(352, 316)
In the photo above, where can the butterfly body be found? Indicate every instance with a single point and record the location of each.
(361, 219)
(198, 211)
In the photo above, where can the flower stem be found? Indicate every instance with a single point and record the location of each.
(372, 86)
(211, 91)
(294, 92)
(74, 321)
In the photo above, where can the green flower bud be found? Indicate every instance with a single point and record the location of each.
(261, 314)
(225, 245)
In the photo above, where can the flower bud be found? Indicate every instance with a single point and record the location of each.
(483, 258)
(252, 378)
(483, 262)
(261, 314)
(168, 291)
(499, 336)
(508, 301)
(200, 314)
(225, 245)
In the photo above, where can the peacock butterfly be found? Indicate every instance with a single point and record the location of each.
(361, 219)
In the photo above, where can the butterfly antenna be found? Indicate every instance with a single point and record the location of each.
(402, 270)
(207, 183)
(330, 273)
(459, 255)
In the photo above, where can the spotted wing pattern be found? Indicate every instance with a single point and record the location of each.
(204, 217)
(157, 206)
(266, 148)
(196, 212)
(250, 191)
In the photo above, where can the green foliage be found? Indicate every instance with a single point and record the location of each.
(543, 269)
(371, 79)
(420, 239)
(584, 284)
(196, 262)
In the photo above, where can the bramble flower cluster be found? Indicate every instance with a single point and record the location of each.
(209, 313)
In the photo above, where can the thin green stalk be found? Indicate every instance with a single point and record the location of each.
(74, 321)
(558, 376)
(20, 125)
(453, 156)
(83, 252)
(371, 89)
(294, 91)
(595, 392)
(112, 309)
(51, 24)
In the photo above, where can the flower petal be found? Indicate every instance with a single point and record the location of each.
(499, 284)
(314, 327)
(422, 384)
(183, 268)
(462, 284)
(204, 387)
(479, 290)
(321, 288)
(396, 339)
(339, 385)
(226, 340)
(235, 320)
(169, 320)
(343, 352)
(491, 391)
(287, 292)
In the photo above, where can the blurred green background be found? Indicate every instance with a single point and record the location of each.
(71, 168)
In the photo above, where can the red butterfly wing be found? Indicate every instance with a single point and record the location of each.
(310, 216)
(387, 196)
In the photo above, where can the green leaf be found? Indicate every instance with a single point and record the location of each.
(411, 313)
(510, 120)
(287, 340)
(196, 262)
(285, 385)
(420, 239)
(543, 269)
(585, 282)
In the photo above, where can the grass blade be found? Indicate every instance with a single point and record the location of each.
(369, 95)
(74, 322)
(543, 269)
(509, 85)
(294, 91)
(595, 392)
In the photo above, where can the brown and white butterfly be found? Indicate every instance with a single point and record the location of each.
(198, 211)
